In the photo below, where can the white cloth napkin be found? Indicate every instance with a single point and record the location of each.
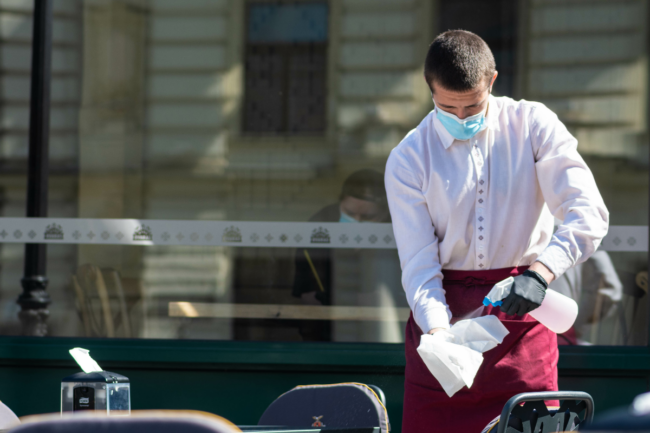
(454, 356)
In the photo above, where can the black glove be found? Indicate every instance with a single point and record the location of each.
(527, 293)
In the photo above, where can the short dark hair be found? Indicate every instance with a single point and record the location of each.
(459, 61)
(365, 185)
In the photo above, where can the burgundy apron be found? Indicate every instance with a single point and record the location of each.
(526, 361)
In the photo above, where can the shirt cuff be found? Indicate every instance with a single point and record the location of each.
(430, 317)
(556, 259)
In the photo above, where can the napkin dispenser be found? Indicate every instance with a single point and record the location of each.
(95, 389)
(102, 391)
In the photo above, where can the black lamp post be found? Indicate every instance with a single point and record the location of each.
(34, 300)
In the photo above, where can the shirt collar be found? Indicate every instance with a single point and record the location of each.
(492, 120)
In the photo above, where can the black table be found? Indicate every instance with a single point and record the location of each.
(280, 429)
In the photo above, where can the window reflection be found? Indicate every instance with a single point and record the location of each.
(255, 111)
(319, 271)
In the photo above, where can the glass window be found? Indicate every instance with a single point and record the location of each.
(588, 63)
(286, 60)
(217, 166)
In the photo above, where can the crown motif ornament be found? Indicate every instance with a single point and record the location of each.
(54, 232)
(143, 234)
(231, 234)
(320, 236)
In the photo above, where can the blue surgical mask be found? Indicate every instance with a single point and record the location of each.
(345, 218)
(462, 129)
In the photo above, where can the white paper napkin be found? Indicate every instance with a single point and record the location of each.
(82, 356)
(454, 356)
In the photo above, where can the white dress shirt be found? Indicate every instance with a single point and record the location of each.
(489, 202)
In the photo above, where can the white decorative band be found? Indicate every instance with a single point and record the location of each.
(626, 238)
(237, 233)
(213, 233)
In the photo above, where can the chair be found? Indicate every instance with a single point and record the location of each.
(138, 422)
(635, 418)
(97, 291)
(534, 416)
(340, 405)
(8, 419)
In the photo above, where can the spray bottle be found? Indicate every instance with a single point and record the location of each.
(557, 312)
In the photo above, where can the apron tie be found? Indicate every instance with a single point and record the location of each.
(474, 281)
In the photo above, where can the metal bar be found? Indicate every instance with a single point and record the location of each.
(34, 300)
(647, 136)
(215, 310)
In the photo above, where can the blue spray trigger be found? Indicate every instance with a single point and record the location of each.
(487, 302)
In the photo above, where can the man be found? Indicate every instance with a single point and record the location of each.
(472, 192)
(362, 199)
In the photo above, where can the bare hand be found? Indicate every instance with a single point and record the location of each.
(434, 330)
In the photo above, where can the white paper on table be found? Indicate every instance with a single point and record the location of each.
(82, 356)
(454, 356)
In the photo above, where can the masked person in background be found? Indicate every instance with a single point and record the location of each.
(472, 193)
(362, 199)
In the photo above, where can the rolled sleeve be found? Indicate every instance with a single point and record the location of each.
(417, 244)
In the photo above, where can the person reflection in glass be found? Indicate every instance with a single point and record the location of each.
(362, 199)
(597, 289)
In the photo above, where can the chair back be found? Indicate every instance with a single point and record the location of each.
(101, 302)
(635, 418)
(8, 419)
(534, 416)
(138, 422)
(341, 405)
